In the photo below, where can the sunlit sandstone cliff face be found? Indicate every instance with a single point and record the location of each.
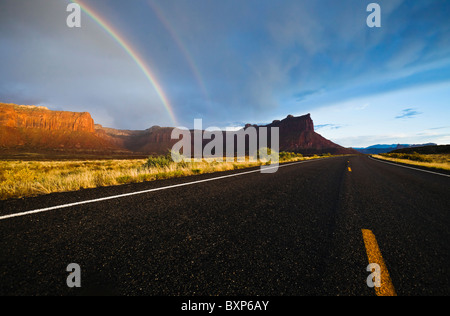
(33, 127)
(21, 116)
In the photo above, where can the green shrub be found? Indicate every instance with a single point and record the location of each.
(159, 161)
(287, 156)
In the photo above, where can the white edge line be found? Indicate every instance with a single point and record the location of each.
(398, 165)
(143, 192)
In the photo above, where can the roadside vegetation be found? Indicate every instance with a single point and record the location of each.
(438, 161)
(20, 179)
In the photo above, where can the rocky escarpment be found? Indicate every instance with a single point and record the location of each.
(297, 135)
(155, 140)
(35, 129)
(32, 129)
(38, 117)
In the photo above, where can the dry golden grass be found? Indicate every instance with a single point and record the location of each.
(439, 162)
(20, 179)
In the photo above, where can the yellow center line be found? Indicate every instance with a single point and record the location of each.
(374, 256)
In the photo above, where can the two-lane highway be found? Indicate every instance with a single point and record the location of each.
(295, 232)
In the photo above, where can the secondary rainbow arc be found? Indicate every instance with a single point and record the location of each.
(181, 46)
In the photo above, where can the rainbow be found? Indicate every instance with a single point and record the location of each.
(162, 18)
(132, 53)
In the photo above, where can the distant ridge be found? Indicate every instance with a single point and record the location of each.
(426, 150)
(36, 129)
(382, 149)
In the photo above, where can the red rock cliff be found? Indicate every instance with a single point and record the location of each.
(36, 129)
(295, 124)
(34, 117)
(297, 135)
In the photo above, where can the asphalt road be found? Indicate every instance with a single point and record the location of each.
(292, 233)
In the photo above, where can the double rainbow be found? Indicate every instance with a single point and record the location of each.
(133, 54)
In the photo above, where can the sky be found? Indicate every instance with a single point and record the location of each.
(232, 62)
